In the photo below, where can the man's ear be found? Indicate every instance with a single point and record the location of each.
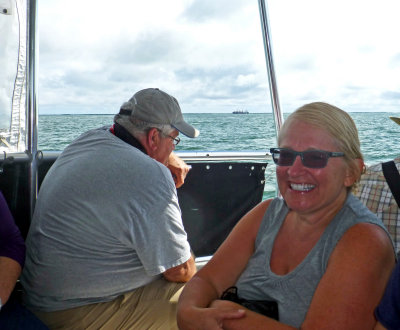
(153, 139)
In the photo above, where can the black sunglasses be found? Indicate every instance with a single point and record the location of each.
(310, 158)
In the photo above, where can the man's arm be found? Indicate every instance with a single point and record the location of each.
(181, 273)
(178, 169)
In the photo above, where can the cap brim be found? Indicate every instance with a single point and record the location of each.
(186, 129)
(396, 120)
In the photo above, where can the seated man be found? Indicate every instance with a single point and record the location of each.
(106, 247)
(12, 258)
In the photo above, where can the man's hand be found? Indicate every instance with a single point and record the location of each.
(179, 169)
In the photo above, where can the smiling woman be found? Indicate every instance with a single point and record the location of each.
(322, 182)
(309, 251)
(210, 54)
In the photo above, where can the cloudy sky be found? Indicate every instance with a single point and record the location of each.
(94, 54)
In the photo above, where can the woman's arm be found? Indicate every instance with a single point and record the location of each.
(346, 296)
(354, 282)
(221, 272)
(251, 320)
(349, 291)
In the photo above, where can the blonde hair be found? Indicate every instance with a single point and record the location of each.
(338, 124)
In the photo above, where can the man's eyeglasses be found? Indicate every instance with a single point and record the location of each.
(175, 140)
(311, 158)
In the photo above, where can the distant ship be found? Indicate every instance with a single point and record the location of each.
(240, 112)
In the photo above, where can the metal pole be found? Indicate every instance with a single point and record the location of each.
(32, 116)
(278, 118)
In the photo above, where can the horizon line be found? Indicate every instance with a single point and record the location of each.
(249, 113)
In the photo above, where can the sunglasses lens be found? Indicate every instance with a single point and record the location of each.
(283, 157)
(311, 159)
(315, 159)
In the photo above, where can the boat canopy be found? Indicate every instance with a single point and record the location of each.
(13, 81)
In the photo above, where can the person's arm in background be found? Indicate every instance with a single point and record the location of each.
(12, 251)
(178, 168)
(9, 273)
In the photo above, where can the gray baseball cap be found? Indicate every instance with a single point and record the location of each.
(154, 106)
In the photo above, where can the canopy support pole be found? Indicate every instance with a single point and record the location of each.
(278, 118)
(32, 115)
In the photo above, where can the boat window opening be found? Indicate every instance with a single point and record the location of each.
(209, 55)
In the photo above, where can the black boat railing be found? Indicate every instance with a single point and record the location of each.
(219, 189)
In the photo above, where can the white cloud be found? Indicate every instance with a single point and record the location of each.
(346, 48)
(209, 53)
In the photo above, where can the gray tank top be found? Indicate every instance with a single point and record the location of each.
(294, 291)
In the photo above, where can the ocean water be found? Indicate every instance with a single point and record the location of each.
(379, 136)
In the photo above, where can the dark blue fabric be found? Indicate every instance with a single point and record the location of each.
(13, 316)
(388, 311)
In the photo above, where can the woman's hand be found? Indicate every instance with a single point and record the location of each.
(212, 318)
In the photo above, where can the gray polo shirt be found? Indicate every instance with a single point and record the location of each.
(106, 221)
